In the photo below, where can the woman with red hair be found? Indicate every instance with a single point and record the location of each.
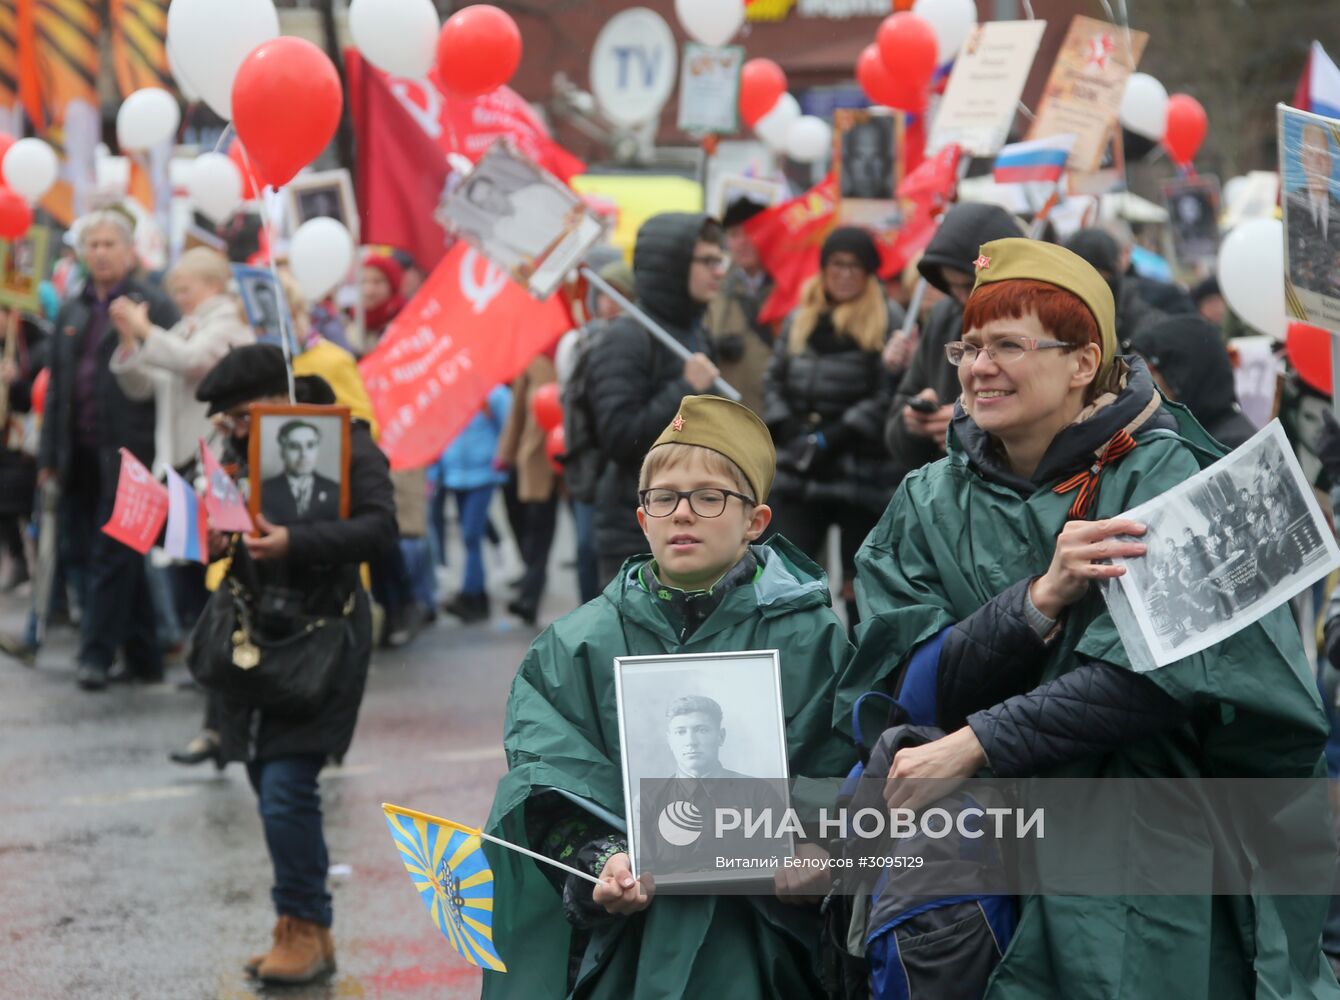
(980, 616)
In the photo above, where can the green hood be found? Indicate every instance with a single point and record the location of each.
(561, 733)
(952, 539)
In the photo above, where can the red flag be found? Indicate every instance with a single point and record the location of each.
(467, 329)
(223, 502)
(933, 183)
(404, 129)
(788, 237)
(141, 506)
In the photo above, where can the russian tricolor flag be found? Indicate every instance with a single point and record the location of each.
(1319, 89)
(1037, 160)
(187, 532)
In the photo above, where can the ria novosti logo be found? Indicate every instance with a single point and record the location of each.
(680, 824)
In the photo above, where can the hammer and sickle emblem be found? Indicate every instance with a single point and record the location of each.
(480, 293)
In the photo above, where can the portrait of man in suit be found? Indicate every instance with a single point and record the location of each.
(299, 493)
(1314, 218)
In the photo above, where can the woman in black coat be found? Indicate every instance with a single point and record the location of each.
(296, 572)
(825, 396)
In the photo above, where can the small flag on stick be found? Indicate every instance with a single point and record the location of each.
(223, 501)
(446, 862)
(187, 536)
(1036, 160)
(140, 508)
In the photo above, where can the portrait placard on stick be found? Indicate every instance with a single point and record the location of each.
(1084, 91)
(522, 218)
(983, 92)
(709, 88)
(1309, 148)
(866, 146)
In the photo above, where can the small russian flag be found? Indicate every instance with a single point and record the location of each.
(1036, 160)
(1319, 88)
(187, 532)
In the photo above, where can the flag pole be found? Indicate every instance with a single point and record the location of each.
(476, 832)
(654, 328)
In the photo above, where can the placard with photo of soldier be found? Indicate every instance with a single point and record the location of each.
(1309, 147)
(300, 458)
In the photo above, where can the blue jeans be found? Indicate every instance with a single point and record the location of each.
(419, 566)
(472, 510)
(290, 808)
(588, 565)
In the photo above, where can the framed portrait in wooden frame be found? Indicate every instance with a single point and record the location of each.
(23, 264)
(299, 461)
(323, 194)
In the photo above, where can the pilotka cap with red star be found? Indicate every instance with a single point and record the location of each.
(729, 429)
(1008, 259)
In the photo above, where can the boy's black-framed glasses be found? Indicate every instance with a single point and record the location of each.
(708, 501)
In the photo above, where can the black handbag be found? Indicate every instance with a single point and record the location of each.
(279, 672)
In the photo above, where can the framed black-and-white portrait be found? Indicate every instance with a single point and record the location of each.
(868, 167)
(300, 463)
(264, 302)
(1193, 217)
(703, 741)
(322, 194)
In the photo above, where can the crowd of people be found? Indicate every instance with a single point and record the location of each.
(932, 445)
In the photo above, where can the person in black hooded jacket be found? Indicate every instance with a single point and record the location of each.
(635, 384)
(1191, 366)
(915, 438)
(1135, 310)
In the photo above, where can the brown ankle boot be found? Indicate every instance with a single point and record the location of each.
(254, 962)
(299, 957)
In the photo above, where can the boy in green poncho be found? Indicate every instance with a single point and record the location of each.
(708, 586)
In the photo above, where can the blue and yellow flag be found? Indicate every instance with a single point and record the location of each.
(447, 865)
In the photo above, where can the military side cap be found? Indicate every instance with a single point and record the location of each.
(242, 375)
(1008, 259)
(729, 429)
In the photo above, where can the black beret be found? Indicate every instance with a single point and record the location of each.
(855, 241)
(242, 375)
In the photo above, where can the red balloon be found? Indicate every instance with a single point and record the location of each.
(882, 88)
(908, 47)
(244, 167)
(15, 215)
(1309, 351)
(762, 82)
(478, 50)
(1185, 128)
(39, 391)
(547, 407)
(555, 444)
(286, 107)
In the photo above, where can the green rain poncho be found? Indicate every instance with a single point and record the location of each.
(952, 539)
(561, 732)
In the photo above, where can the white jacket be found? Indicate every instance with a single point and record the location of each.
(169, 364)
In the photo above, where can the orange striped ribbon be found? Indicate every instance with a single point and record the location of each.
(1087, 481)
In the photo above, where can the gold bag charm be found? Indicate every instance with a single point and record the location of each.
(246, 654)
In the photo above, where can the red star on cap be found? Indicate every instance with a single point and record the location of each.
(678, 423)
(982, 262)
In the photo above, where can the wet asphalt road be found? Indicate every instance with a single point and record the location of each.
(123, 875)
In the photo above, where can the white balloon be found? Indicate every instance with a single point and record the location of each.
(1144, 106)
(1251, 274)
(320, 255)
(711, 22)
(30, 168)
(1234, 189)
(210, 39)
(215, 185)
(772, 128)
(808, 139)
(146, 118)
(952, 20)
(184, 84)
(398, 36)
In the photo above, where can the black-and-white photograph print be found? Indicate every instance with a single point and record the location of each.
(522, 218)
(700, 732)
(1193, 217)
(322, 194)
(264, 303)
(302, 454)
(1225, 548)
(867, 152)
